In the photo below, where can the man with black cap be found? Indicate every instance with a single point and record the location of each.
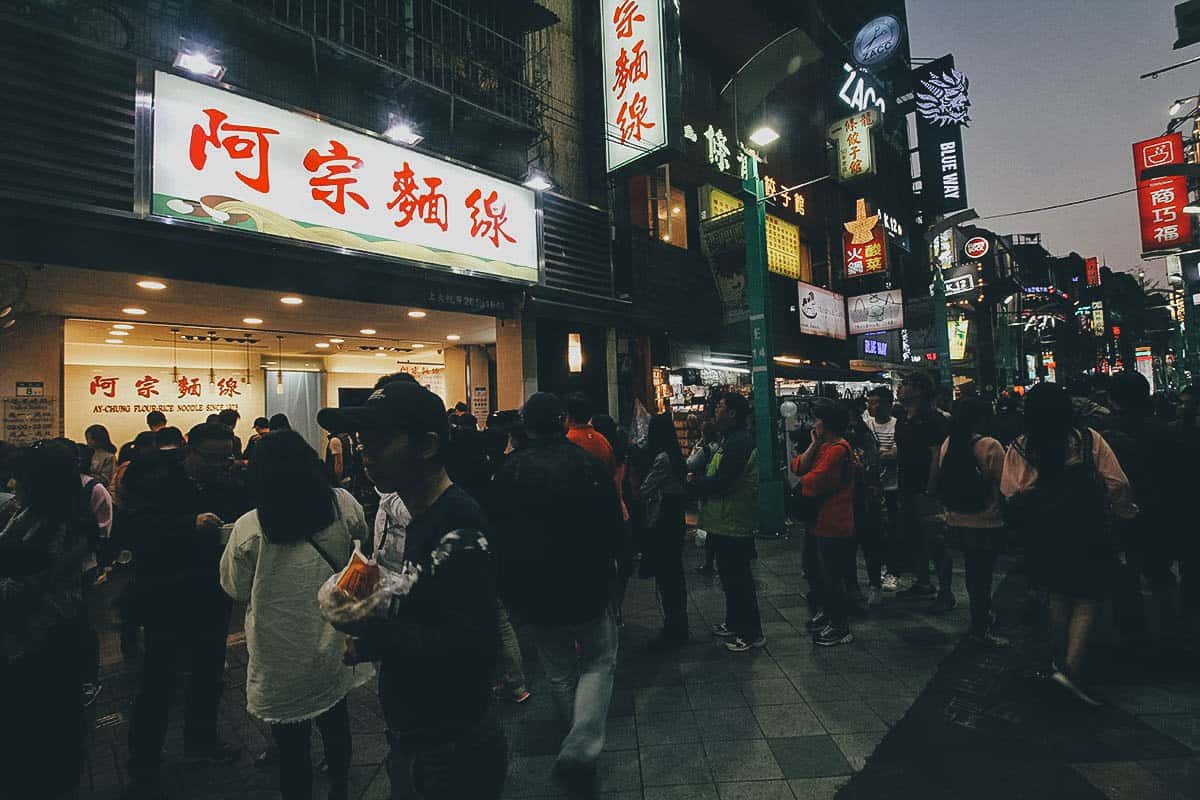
(438, 644)
(558, 529)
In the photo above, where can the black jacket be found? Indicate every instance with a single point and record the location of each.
(557, 524)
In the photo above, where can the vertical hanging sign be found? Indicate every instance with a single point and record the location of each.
(1161, 200)
(943, 110)
(638, 76)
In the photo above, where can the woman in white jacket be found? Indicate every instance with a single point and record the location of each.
(277, 557)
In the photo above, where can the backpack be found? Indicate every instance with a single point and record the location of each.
(963, 488)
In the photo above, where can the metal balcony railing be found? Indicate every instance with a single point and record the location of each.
(468, 52)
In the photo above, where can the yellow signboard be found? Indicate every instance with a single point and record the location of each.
(786, 255)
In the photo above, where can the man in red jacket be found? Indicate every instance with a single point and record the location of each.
(826, 471)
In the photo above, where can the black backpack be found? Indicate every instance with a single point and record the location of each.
(963, 487)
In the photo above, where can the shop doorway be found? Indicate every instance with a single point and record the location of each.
(300, 400)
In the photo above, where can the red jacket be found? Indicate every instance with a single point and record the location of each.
(832, 477)
(590, 439)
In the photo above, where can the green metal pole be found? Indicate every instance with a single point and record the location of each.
(762, 350)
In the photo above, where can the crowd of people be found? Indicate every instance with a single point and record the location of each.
(543, 517)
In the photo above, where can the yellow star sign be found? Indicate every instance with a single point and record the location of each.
(861, 228)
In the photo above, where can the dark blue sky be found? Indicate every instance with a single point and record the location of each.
(1057, 105)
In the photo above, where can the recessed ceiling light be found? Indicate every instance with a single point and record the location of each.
(322, 345)
(118, 333)
(137, 312)
(336, 341)
(153, 285)
(112, 341)
(418, 345)
(454, 337)
(417, 314)
(367, 331)
(252, 320)
(122, 326)
(291, 300)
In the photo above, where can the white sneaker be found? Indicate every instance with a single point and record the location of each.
(890, 582)
(1063, 680)
(874, 596)
(740, 645)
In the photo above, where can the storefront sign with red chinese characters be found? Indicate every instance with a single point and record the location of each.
(855, 147)
(1093, 271)
(864, 244)
(224, 159)
(1161, 200)
(635, 80)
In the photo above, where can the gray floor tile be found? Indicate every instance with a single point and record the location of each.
(1184, 728)
(673, 764)
(857, 747)
(529, 776)
(742, 761)
(695, 791)
(890, 711)
(1126, 780)
(778, 722)
(670, 727)
(755, 790)
(770, 691)
(619, 772)
(621, 734)
(809, 757)
(817, 788)
(848, 716)
(726, 694)
(727, 723)
(657, 699)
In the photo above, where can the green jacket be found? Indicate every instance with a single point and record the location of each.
(730, 488)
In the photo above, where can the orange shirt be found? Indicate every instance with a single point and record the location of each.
(590, 439)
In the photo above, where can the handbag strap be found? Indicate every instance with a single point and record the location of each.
(324, 553)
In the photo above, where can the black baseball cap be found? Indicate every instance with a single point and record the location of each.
(399, 406)
(543, 413)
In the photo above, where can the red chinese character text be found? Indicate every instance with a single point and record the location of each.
(145, 386)
(491, 226)
(106, 386)
(625, 14)
(237, 145)
(632, 118)
(228, 387)
(188, 387)
(432, 205)
(330, 188)
(632, 66)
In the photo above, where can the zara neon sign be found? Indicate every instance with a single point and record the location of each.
(857, 93)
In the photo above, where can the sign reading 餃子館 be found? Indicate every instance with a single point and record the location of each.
(822, 312)
(120, 397)
(943, 107)
(640, 76)
(855, 146)
(878, 311)
(1161, 200)
(224, 159)
(864, 244)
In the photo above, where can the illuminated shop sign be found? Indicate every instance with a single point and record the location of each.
(635, 80)
(878, 41)
(943, 109)
(860, 91)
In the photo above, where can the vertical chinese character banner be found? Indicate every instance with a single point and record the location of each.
(1093, 271)
(1161, 200)
(943, 109)
(855, 147)
(640, 43)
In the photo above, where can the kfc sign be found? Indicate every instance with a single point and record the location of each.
(864, 244)
(976, 247)
(635, 80)
(223, 159)
(1161, 200)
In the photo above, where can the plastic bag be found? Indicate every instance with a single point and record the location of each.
(362, 590)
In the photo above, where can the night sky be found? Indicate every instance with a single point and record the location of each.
(1057, 105)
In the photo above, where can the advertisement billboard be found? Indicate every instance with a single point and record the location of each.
(943, 109)
(1161, 200)
(878, 311)
(635, 53)
(864, 244)
(822, 312)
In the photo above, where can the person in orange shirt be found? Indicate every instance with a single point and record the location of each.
(581, 432)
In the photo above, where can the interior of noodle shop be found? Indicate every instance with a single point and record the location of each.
(109, 348)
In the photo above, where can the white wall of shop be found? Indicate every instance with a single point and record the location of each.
(32, 351)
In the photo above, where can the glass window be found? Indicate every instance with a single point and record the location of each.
(651, 201)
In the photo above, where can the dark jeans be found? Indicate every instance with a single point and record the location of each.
(835, 559)
(473, 765)
(926, 540)
(981, 565)
(293, 743)
(202, 635)
(733, 554)
(668, 536)
(894, 552)
(869, 531)
(1147, 554)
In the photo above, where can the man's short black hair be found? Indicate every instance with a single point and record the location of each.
(169, 437)
(1130, 390)
(392, 378)
(542, 414)
(228, 416)
(921, 382)
(209, 432)
(737, 404)
(279, 422)
(155, 418)
(884, 394)
(579, 408)
(460, 406)
(834, 415)
(262, 422)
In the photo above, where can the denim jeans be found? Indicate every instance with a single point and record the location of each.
(509, 667)
(474, 765)
(741, 599)
(581, 681)
(293, 743)
(837, 564)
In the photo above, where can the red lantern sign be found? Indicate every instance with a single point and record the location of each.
(1161, 200)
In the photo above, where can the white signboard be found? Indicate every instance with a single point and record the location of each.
(635, 80)
(879, 311)
(224, 159)
(822, 313)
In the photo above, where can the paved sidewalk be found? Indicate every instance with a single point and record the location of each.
(790, 721)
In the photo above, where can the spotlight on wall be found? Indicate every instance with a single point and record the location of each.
(199, 63)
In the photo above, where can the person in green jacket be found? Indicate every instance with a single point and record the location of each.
(729, 488)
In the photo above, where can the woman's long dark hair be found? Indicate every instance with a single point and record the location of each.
(968, 417)
(606, 426)
(661, 438)
(47, 476)
(1048, 417)
(290, 487)
(97, 436)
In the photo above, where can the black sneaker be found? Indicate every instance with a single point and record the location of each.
(832, 636)
(918, 591)
(944, 602)
(818, 622)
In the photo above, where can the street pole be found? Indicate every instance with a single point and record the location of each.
(941, 332)
(771, 518)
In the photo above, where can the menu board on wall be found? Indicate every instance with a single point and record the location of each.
(28, 419)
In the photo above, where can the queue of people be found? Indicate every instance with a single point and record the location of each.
(540, 518)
